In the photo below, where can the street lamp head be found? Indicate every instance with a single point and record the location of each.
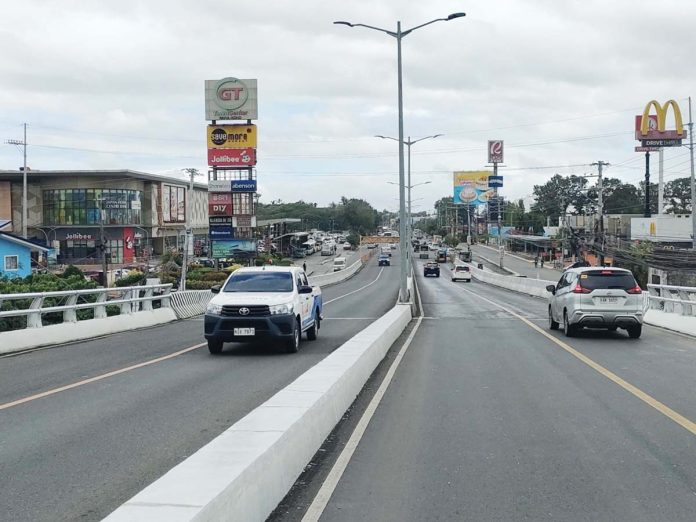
(455, 15)
(344, 23)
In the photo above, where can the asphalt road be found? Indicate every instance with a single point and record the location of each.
(518, 264)
(488, 419)
(79, 453)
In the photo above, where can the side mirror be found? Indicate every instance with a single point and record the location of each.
(304, 290)
(551, 288)
(215, 289)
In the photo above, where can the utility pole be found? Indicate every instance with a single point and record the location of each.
(693, 180)
(600, 208)
(102, 246)
(660, 182)
(184, 264)
(24, 180)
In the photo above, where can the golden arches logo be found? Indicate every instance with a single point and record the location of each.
(661, 111)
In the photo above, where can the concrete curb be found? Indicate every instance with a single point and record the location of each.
(246, 471)
(28, 338)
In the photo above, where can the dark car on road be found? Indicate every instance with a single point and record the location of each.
(383, 260)
(431, 269)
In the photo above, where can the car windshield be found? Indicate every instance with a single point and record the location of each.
(462, 269)
(607, 279)
(260, 282)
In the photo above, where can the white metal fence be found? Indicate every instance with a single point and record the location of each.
(190, 303)
(129, 299)
(672, 299)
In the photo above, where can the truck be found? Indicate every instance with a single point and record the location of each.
(269, 303)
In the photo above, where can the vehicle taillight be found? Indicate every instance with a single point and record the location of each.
(635, 290)
(579, 289)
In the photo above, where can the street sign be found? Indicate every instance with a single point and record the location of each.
(647, 149)
(495, 181)
(662, 143)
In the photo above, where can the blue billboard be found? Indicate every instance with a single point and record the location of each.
(243, 185)
(220, 232)
(234, 248)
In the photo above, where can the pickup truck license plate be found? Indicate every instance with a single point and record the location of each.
(608, 300)
(244, 331)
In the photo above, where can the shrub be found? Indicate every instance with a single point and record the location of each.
(200, 285)
(132, 279)
(72, 270)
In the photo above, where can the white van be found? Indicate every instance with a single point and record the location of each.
(339, 264)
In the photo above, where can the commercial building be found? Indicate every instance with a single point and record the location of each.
(144, 215)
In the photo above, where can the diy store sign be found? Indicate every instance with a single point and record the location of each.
(232, 157)
(219, 209)
(220, 232)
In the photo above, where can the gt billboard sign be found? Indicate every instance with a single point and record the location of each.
(231, 136)
(495, 151)
(231, 157)
(231, 99)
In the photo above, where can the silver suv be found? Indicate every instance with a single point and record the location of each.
(596, 297)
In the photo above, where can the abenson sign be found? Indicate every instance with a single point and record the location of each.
(231, 99)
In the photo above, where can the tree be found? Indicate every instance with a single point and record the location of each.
(678, 196)
(561, 193)
(618, 197)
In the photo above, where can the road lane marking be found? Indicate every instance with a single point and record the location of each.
(630, 388)
(355, 291)
(324, 494)
(77, 384)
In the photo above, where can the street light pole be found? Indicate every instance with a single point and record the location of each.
(399, 34)
(189, 197)
(408, 144)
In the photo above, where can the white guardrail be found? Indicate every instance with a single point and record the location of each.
(130, 299)
(189, 303)
(672, 299)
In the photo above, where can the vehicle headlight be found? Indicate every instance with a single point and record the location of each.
(281, 309)
(214, 309)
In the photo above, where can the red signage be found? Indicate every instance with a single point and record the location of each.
(219, 209)
(232, 157)
(220, 198)
(128, 245)
(495, 151)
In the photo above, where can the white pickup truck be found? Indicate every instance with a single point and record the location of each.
(263, 303)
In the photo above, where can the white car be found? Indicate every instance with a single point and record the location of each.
(461, 273)
(596, 297)
(347, 246)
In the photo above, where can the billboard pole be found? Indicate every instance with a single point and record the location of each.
(647, 185)
(693, 180)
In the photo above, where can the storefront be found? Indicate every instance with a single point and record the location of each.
(80, 246)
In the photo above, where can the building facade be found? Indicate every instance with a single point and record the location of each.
(143, 215)
(16, 255)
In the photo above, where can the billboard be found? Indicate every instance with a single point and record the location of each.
(219, 209)
(221, 232)
(495, 151)
(471, 188)
(220, 197)
(654, 127)
(234, 248)
(220, 220)
(231, 99)
(232, 157)
(243, 185)
(235, 136)
(219, 185)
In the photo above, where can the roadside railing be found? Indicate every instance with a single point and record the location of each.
(189, 303)
(128, 300)
(672, 299)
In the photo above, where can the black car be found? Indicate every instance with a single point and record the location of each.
(431, 269)
(383, 260)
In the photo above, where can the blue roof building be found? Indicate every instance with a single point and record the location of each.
(15, 255)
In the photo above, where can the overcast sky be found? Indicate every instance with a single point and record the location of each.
(119, 85)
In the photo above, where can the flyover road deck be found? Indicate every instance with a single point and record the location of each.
(492, 416)
(79, 453)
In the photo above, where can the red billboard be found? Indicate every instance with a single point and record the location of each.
(221, 198)
(219, 209)
(232, 157)
(128, 245)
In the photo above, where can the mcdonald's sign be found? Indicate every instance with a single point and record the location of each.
(654, 127)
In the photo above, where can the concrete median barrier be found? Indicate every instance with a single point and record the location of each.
(246, 471)
(533, 287)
